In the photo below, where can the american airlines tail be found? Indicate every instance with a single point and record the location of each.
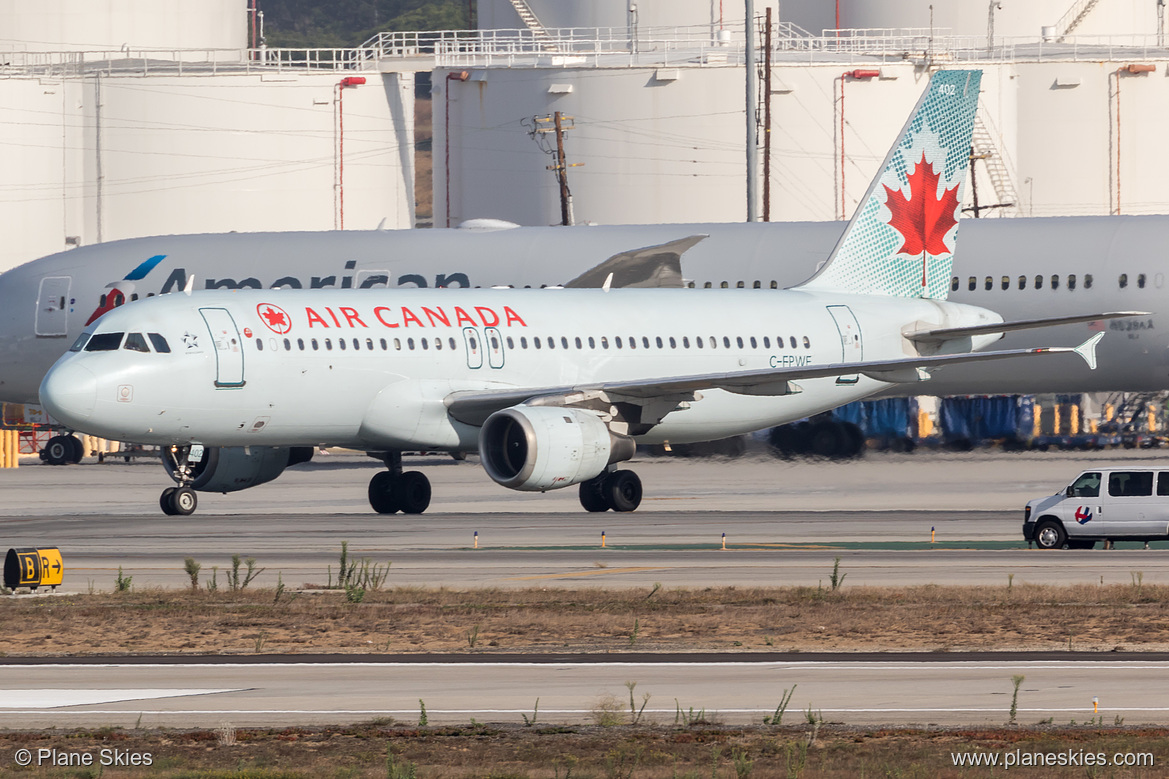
(901, 239)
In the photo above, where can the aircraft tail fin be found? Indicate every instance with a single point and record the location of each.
(901, 239)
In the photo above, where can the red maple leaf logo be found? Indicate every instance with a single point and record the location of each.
(275, 318)
(923, 220)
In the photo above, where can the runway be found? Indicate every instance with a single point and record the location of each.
(917, 692)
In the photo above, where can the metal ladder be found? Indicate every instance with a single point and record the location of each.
(539, 33)
(985, 148)
(1071, 20)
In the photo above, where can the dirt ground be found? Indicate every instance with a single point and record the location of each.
(659, 752)
(727, 619)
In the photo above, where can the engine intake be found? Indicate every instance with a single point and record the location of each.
(232, 468)
(538, 448)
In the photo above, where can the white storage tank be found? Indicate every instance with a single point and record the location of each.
(93, 25)
(976, 18)
(134, 155)
(623, 14)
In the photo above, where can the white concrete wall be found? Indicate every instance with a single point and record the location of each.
(87, 25)
(105, 158)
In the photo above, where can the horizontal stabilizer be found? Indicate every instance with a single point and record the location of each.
(945, 334)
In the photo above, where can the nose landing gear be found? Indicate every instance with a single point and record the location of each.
(391, 491)
(180, 500)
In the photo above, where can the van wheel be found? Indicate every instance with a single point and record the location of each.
(1050, 535)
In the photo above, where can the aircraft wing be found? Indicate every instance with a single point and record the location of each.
(937, 336)
(474, 406)
(651, 266)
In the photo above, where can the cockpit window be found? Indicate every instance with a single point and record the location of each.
(104, 342)
(79, 344)
(160, 344)
(136, 342)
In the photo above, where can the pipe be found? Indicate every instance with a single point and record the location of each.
(348, 82)
(461, 75)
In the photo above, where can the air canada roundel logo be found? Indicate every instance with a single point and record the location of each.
(1083, 515)
(275, 318)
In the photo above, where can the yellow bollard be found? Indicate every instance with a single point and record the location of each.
(724, 540)
(933, 532)
(602, 539)
(1075, 420)
(1095, 705)
(477, 532)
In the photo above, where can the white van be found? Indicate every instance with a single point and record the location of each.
(1103, 504)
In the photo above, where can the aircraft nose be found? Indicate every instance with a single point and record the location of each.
(69, 393)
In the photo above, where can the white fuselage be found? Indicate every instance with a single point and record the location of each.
(371, 368)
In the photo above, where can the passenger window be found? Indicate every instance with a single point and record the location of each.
(136, 342)
(314, 341)
(369, 341)
(437, 344)
(617, 339)
(774, 284)
(1123, 280)
(724, 285)
(578, 343)
(1071, 281)
(535, 342)
(592, 342)
(1163, 483)
(707, 285)
(494, 344)
(766, 339)
(726, 340)
(104, 342)
(1130, 484)
(1038, 282)
(698, 342)
(341, 344)
(953, 282)
(259, 345)
(685, 342)
(300, 344)
(523, 339)
(1087, 486)
(758, 284)
(410, 344)
(1055, 281)
(645, 341)
(1141, 281)
(551, 342)
(807, 342)
(779, 342)
(450, 342)
(989, 283)
(658, 340)
(754, 343)
(605, 338)
(398, 344)
(1022, 282)
(972, 284)
(329, 344)
(357, 344)
(632, 342)
(740, 285)
(382, 343)
(79, 344)
(160, 344)
(1006, 283)
(792, 341)
(739, 339)
(1087, 281)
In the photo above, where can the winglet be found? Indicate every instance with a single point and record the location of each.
(608, 282)
(190, 284)
(1087, 350)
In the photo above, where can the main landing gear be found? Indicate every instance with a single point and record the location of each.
(617, 490)
(180, 500)
(391, 491)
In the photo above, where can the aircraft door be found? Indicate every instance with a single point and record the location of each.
(851, 344)
(474, 343)
(229, 353)
(52, 317)
(494, 347)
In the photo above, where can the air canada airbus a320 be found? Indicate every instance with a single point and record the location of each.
(551, 387)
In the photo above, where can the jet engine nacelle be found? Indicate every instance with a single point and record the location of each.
(233, 468)
(537, 448)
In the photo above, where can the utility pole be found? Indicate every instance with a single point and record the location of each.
(767, 119)
(560, 124)
(752, 115)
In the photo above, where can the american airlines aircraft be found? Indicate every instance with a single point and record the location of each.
(551, 387)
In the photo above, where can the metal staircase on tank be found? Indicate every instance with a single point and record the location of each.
(997, 170)
(539, 33)
(1071, 20)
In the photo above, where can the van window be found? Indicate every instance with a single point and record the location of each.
(1130, 484)
(1087, 486)
(1163, 483)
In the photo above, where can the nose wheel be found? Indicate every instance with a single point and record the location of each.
(392, 490)
(616, 490)
(181, 500)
